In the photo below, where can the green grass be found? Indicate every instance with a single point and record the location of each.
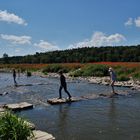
(14, 128)
(136, 75)
(55, 68)
(91, 70)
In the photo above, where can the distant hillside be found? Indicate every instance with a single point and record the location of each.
(82, 55)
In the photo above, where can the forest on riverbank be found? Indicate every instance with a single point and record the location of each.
(88, 61)
(79, 55)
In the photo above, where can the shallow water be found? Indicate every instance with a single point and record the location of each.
(97, 119)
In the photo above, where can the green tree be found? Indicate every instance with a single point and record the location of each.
(5, 58)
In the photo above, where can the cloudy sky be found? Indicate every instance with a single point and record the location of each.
(31, 26)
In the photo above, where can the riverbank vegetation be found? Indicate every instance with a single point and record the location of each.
(79, 55)
(14, 128)
(87, 61)
(124, 70)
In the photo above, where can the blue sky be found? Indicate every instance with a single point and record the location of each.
(31, 26)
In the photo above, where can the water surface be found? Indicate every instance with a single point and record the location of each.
(97, 119)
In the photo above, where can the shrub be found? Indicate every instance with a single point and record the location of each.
(136, 75)
(91, 70)
(123, 77)
(14, 128)
(95, 70)
(124, 70)
(124, 73)
(46, 73)
(76, 73)
(55, 68)
(29, 74)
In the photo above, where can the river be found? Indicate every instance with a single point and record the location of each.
(115, 118)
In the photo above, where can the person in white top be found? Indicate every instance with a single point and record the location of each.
(113, 78)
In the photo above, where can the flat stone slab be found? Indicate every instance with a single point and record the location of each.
(40, 135)
(4, 93)
(63, 100)
(19, 85)
(55, 101)
(19, 106)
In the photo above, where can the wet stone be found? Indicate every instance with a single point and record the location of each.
(4, 93)
(19, 106)
(63, 100)
(40, 135)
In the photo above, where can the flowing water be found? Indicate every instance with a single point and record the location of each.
(115, 118)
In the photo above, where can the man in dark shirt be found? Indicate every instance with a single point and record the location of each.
(63, 84)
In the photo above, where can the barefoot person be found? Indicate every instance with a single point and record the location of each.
(63, 84)
(112, 79)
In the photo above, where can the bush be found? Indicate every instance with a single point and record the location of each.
(123, 77)
(124, 70)
(91, 70)
(14, 128)
(136, 75)
(95, 70)
(55, 68)
(76, 73)
(29, 74)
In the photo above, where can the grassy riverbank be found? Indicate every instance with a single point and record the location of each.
(124, 70)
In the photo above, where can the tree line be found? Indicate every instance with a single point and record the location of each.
(79, 55)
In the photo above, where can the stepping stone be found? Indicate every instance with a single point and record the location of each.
(63, 100)
(4, 93)
(40, 135)
(18, 85)
(110, 95)
(19, 106)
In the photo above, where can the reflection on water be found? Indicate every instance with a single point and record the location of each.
(112, 111)
(103, 118)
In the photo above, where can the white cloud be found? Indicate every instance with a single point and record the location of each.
(132, 21)
(17, 39)
(10, 17)
(137, 22)
(99, 39)
(129, 22)
(17, 50)
(46, 46)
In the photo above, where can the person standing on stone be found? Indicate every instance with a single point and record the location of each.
(63, 84)
(113, 78)
(14, 76)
